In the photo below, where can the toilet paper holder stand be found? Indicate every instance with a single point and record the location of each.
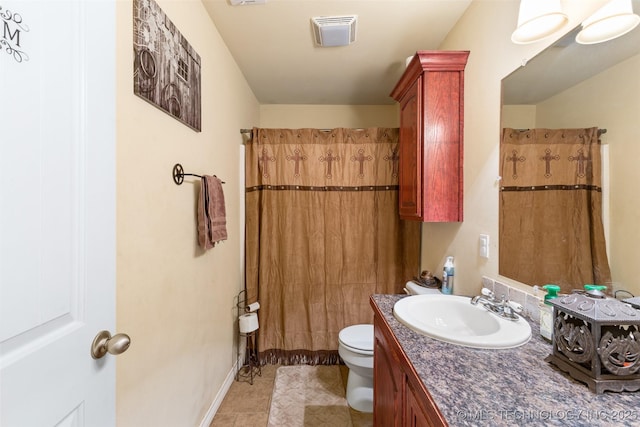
(248, 365)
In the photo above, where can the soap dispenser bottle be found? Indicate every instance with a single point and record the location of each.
(546, 311)
(596, 290)
(448, 272)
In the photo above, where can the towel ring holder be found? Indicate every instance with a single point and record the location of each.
(178, 174)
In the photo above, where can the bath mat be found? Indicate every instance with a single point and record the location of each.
(309, 396)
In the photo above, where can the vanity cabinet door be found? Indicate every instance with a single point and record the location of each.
(414, 416)
(389, 384)
(399, 396)
(410, 154)
(431, 97)
(417, 414)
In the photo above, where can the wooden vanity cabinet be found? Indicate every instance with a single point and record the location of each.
(431, 95)
(389, 383)
(399, 396)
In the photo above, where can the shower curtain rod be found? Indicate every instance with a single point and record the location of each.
(600, 131)
(249, 131)
(322, 130)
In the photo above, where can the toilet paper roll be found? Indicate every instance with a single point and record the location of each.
(248, 322)
(252, 307)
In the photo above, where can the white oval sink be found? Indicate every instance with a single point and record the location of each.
(455, 320)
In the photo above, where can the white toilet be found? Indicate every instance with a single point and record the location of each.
(412, 288)
(355, 346)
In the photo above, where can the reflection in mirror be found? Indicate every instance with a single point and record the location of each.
(547, 173)
(583, 86)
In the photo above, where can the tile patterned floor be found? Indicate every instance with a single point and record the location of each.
(247, 405)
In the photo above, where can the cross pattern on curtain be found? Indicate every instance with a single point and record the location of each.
(287, 163)
(551, 208)
(322, 234)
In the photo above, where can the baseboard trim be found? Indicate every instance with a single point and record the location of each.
(215, 405)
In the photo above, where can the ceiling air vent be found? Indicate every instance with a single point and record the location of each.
(334, 30)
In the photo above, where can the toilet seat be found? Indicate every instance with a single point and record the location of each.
(357, 338)
(357, 350)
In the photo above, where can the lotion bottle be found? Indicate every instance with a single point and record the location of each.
(448, 273)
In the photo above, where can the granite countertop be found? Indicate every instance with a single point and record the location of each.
(474, 387)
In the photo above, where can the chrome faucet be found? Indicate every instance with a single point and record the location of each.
(503, 307)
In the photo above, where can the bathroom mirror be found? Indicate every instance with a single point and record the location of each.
(569, 85)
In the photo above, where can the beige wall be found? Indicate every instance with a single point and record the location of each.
(485, 30)
(519, 116)
(175, 300)
(604, 101)
(328, 116)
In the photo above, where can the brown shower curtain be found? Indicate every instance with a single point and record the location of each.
(322, 234)
(551, 208)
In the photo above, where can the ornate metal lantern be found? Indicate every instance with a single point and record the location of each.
(596, 340)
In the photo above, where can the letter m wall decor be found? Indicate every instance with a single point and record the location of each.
(166, 70)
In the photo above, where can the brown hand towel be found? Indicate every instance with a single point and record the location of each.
(212, 220)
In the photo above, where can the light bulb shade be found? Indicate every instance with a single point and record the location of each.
(612, 20)
(538, 19)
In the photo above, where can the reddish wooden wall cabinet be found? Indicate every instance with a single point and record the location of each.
(431, 97)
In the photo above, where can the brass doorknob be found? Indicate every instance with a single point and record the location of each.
(104, 343)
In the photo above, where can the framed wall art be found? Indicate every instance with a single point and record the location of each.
(166, 69)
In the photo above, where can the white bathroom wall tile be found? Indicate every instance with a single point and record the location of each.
(516, 295)
(487, 282)
(532, 307)
(500, 289)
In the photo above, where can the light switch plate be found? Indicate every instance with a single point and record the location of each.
(484, 246)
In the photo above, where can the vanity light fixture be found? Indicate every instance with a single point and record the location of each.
(612, 20)
(538, 19)
(246, 2)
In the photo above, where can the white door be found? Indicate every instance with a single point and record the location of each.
(57, 207)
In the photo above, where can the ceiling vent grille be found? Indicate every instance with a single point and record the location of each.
(331, 31)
